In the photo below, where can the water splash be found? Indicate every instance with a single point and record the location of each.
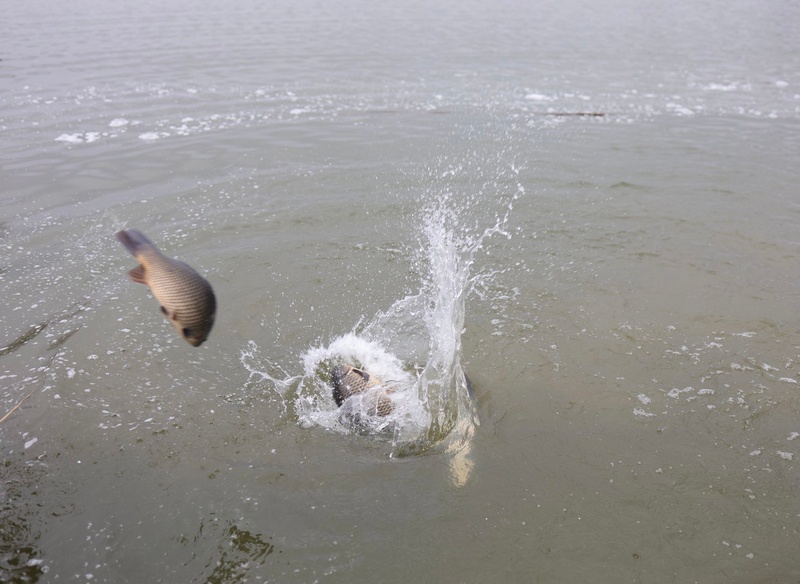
(416, 343)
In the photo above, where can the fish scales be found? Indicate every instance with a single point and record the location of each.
(349, 381)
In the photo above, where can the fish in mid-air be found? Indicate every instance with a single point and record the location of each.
(186, 298)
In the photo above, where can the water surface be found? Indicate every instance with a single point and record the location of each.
(592, 211)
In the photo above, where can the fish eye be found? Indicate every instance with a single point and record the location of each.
(187, 332)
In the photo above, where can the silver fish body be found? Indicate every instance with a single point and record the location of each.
(186, 298)
(349, 381)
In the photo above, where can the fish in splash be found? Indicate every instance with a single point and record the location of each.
(186, 298)
(349, 381)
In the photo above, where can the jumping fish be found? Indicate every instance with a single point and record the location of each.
(186, 298)
(348, 381)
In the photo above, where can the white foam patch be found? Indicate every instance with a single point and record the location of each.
(82, 137)
(675, 393)
(721, 86)
(70, 138)
(679, 109)
(538, 97)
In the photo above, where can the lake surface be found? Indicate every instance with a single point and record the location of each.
(592, 210)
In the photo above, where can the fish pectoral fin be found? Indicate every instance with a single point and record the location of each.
(137, 275)
(170, 314)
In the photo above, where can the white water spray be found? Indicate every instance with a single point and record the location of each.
(415, 343)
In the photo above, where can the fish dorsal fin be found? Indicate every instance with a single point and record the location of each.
(137, 275)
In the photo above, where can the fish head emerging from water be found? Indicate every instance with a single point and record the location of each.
(186, 298)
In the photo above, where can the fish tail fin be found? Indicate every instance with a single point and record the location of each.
(133, 240)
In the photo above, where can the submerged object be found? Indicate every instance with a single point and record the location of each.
(186, 298)
(349, 381)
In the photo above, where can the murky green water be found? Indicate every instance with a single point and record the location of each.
(621, 289)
